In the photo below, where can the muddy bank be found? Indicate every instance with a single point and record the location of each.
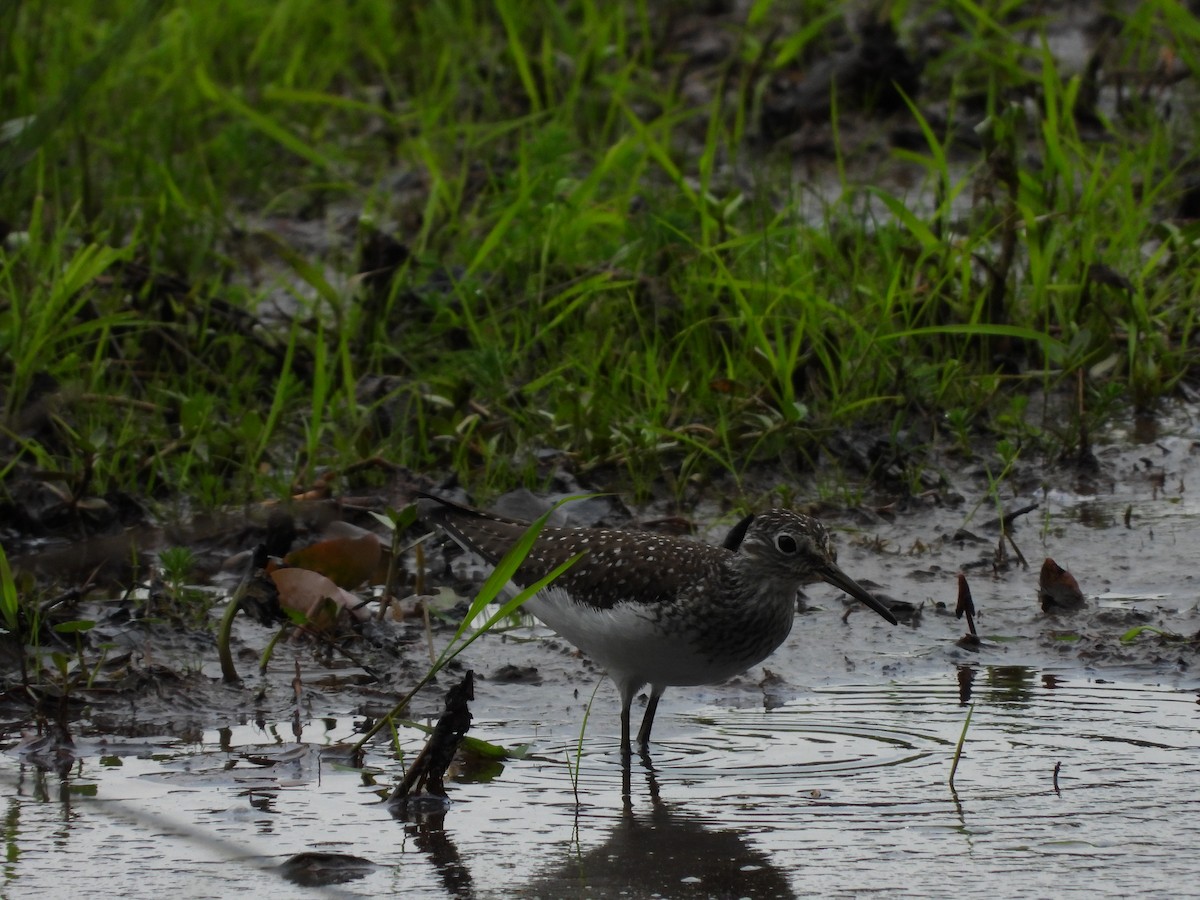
(1124, 528)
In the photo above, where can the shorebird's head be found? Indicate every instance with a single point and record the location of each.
(782, 545)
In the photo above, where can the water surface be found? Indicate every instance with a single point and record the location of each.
(841, 792)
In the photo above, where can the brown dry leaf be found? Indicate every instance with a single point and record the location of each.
(965, 605)
(346, 561)
(1058, 590)
(311, 594)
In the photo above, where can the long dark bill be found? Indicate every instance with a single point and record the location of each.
(833, 575)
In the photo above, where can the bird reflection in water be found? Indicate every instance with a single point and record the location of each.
(656, 850)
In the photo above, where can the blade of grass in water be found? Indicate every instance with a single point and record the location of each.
(961, 740)
(492, 588)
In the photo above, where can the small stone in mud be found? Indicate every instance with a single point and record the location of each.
(969, 642)
(775, 690)
(962, 536)
(516, 675)
(1058, 591)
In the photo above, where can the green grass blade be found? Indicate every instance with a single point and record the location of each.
(264, 123)
(9, 601)
(496, 583)
(962, 739)
(46, 122)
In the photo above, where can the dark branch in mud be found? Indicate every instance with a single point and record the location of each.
(427, 773)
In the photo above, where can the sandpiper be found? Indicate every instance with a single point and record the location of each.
(658, 610)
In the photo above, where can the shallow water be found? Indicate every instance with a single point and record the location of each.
(841, 791)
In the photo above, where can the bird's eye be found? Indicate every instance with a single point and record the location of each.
(786, 543)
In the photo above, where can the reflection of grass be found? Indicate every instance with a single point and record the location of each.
(593, 260)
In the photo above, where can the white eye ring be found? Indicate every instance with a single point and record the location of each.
(785, 543)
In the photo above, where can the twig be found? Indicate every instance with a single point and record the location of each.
(1016, 549)
(419, 552)
(228, 670)
(1011, 517)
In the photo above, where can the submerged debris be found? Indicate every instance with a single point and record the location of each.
(52, 750)
(424, 781)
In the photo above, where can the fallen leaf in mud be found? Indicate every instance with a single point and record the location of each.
(346, 561)
(444, 604)
(308, 592)
(965, 606)
(321, 489)
(1058, 591)
(412, 607)
(1161, 633)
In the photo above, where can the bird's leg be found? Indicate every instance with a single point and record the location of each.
(656, 691)
(625, 750)
(628, 691)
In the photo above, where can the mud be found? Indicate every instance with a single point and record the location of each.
(1124, 528)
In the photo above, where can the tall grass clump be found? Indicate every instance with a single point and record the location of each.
(244, 243)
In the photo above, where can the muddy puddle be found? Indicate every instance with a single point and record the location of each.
(824, 771)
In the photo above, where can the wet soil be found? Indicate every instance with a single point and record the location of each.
(1124, 527)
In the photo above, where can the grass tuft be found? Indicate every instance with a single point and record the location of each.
(249, 242)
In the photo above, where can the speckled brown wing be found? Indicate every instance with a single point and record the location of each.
(617, 566)
(487, 536)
